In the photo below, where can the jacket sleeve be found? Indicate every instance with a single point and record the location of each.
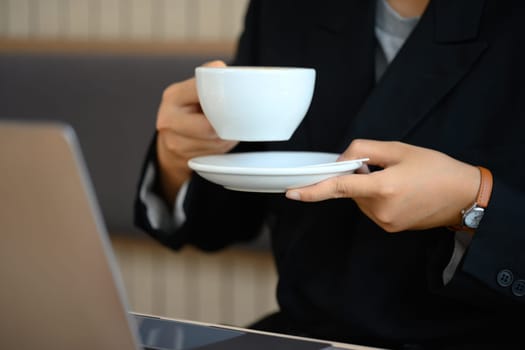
(215, 217)
(496, 255)
(492, 270)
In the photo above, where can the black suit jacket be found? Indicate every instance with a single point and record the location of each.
(457, 86)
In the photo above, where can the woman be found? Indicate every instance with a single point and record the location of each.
(425, 250)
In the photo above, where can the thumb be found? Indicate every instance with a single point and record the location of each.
(215, 63)
(380, 153)
(185, 92)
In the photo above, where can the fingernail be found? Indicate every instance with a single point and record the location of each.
(293, 195)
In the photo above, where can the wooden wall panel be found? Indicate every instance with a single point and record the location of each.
(232, 287)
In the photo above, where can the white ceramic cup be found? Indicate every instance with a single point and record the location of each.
(255, 103)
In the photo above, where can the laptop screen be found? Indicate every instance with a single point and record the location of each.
(60, 283)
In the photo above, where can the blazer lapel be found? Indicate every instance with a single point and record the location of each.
(341, 46)
(438, 54)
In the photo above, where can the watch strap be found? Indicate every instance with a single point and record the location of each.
(485, 187)
(482, 198)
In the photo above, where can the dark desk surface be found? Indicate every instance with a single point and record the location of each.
(165, 333)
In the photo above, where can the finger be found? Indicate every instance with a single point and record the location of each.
(181, 93)
(380, 153)
(346, 186)
(194, 125)
(364, 169)
(186, 147)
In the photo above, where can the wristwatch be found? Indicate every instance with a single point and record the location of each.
(472, 216)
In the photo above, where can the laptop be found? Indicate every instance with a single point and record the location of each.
(60, 286)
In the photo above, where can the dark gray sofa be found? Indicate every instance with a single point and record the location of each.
(110, 100)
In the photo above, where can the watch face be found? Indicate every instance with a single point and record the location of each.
(473, 217)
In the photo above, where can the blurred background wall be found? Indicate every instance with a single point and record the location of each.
(152, 20)
(101, 66)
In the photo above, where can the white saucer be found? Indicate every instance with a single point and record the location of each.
(274, 171)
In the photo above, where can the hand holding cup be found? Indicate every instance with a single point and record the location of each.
(184, 132)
